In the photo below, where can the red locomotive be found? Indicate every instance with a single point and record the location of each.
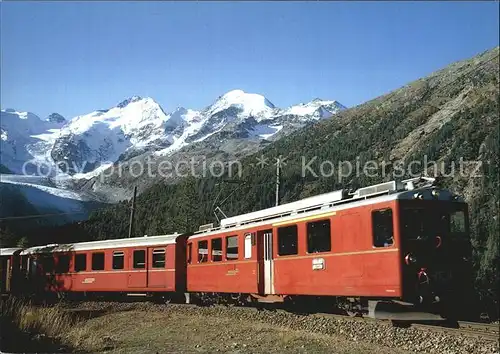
(392, 250)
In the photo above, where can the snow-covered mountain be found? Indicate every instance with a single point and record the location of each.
(93, 141)
(86, 145)
(246, 115)
(316, 109)
(24, 139)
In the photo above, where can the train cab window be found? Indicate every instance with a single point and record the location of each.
(80, 262)
(383, 233)
(287, 240)
(139, 259)
(248, 246)
(216, 249)
(62, 264)
(202, 251)
(232, 248)
(98, 261)
(159, 258)
(118, 260)
(319, 237)
(457, 222)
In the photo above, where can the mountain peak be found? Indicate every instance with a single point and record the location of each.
(55, 118)
(240, 96)
(179, 110)
(129, 100)
(234, 94)
(249, 103)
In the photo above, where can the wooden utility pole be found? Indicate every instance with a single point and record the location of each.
(132, 213)
(277, 180)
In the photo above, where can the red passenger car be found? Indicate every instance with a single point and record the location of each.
(145, 264)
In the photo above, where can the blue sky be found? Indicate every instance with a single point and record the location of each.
(73, 58)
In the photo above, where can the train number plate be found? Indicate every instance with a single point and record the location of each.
(318, 263)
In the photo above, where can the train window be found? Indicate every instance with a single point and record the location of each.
(62, 264)
(202, 251)
(383, 233)
(159, 258)
(189, 250)
(248, 246)
(118, 260)
(80, 262)
(287, 240)
(47, 262)
(98, 261)
(139, 259)
(216, 249)
(232, 248)
(319, 237)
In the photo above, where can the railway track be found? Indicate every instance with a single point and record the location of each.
(487, 331)
(478, 330)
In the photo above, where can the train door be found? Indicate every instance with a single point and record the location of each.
(138, 274)
(157, 274)
(265, 256)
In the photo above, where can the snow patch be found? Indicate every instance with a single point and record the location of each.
(264, 131)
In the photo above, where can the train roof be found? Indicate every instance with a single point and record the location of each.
(9, 251)
(330, 202)
(104, 244)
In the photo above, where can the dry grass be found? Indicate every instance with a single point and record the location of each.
(26, 326)
(51, 321)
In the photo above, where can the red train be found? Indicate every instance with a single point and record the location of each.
(393, 250)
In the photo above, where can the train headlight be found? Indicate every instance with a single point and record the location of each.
(435, 193)
(418, 196)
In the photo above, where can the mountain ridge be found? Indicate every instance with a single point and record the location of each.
(135, 125)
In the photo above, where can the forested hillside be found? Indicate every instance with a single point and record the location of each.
(450, 117)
